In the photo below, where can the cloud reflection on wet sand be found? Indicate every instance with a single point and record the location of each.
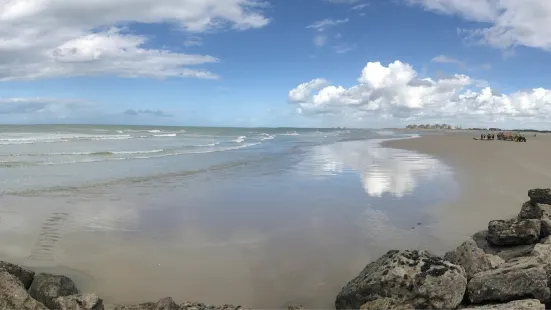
(262, 239)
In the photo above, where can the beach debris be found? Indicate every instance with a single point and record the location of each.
(513, 280)
(13, 294)
(47, 287)
(415, 278)
(25, 276)
(88, 301)
(473, 259)
(525, 304)
(513, 232)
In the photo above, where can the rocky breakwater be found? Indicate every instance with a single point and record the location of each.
(507, 266)
(22, 289)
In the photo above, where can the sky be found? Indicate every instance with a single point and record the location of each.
(270, 63)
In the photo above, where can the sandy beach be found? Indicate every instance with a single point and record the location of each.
(493, 177)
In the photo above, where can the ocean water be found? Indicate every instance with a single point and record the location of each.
(257, 217)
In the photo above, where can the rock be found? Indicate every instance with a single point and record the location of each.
(296, 307)
(201, 306)
(47, 287)
(540, 195)
(525, 304)
(14, 296)
(473, 259)
(24, 275)
(513, 232)
(166, 304)
(78, 302)
(142, 306)
(520, 278)
(545, 227)
(534, 210)
(385, 304)
(411, 277)
(507, 253)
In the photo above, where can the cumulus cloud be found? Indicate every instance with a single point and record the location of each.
(158, 113)
(510, 22)
(57, 38)
(397, 92)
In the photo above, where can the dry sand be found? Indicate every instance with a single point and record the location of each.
(494, 178)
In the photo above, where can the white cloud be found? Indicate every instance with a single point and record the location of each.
(38, 105)
(320, 40)
(445, 59)
(55, 38)
(510, 22)
(397, 92)
(193, 41)
(359, 7)
(322, 25)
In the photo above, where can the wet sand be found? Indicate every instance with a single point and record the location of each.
(494, 178)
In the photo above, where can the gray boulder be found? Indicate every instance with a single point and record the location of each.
(385, 304)
(545, 227)
(517, 279)
(525, 304)
(473, 259)
(506, 253)
(411, 277)
(47, 287)
(534, 210)
(513, 232)
(540, 195)
(14, 296)
(78, 302)
(25, 276)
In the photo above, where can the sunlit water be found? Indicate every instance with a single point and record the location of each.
(257, 217)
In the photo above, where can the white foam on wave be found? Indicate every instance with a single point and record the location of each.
(266, 136)
(240, 139)
(154, 131)
(166, 135)
(294, 133)
(101, 153)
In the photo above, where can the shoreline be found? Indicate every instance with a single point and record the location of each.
(492, 177)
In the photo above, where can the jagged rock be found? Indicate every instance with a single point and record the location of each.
(385, 304)
(519, 278)
(14, 296)
(166, 304)
(507, 253)
(473, 259)
(47, 287)
(296, 307)
(526, 304)
(534, 210)
(78, 302)
(200, 306)
(411, 277)
(540, 195)
(24, 275)
(545, 227)
(513, 232)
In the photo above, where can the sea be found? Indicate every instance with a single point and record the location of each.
(260, 217)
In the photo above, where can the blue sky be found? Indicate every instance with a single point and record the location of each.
(248, 56)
